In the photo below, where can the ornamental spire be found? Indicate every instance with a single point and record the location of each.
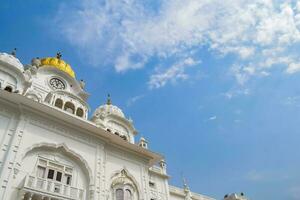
(108, 102)
(186, 189)
(58, 55)
(185, 185)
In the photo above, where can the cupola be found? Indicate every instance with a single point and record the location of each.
(11, 60)
(163, 166)
(113, 120)
(58, 63)
(11, 72)
(109, 109)
(143, 143)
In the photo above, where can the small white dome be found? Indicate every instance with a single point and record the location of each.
(108, 109)
(11, 60)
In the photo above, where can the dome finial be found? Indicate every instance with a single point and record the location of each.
(108, 102)
(58, 55)
(185, 185)
(14, 52)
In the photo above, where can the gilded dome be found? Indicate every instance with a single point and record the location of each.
(59, 64)
(11, 60)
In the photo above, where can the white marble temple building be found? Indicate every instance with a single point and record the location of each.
(52, 150)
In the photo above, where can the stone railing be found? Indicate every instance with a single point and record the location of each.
(180, 192)
(53, 188)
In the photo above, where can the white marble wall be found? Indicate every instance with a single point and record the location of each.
(25, 135)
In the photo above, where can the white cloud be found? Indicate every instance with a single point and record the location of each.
(241, 73)
(134, 99)
(128, 33)
(292, 101)
(125, 62)
(174, 73)
(255, 176)
(212, 118)
(293, 68)
(236, 92)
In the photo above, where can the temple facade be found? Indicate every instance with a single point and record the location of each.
(52, 150)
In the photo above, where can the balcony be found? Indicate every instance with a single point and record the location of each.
(40, 188)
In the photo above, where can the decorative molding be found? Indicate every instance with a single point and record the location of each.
(63, 130)
(67, 150)
(123, 177)
(117, 153)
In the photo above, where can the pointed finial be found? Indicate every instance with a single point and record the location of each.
(58, 55)
(185, 186)
(82, 84)
(14, 52)
(108, 102)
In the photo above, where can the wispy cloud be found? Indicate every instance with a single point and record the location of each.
(267, 175)
(134, 99)
(212, 118)
(174, 73)
(128, 33)
(255, 176)
(236, 92)
(292, 101)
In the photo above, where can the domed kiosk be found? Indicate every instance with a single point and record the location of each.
(11, 73)
(112, 119)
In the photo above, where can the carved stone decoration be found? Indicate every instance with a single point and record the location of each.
(28, 76)
(187, 192)
(36, 62)
(123, 180)
(31, 94)
(16, 171)
(68, 151)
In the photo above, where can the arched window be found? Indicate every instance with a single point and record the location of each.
(58, 103)
(69, 107)
(79, 112)
(124, 187)
(8, 88)
(119, 194)
(127, 195)
(123, 194)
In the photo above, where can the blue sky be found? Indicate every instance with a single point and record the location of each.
(213, 85)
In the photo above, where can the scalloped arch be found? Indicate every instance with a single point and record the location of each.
(124, 173)
(66, 150)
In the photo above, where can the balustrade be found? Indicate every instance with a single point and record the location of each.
(53, 187)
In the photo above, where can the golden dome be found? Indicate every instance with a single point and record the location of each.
(59, 64)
